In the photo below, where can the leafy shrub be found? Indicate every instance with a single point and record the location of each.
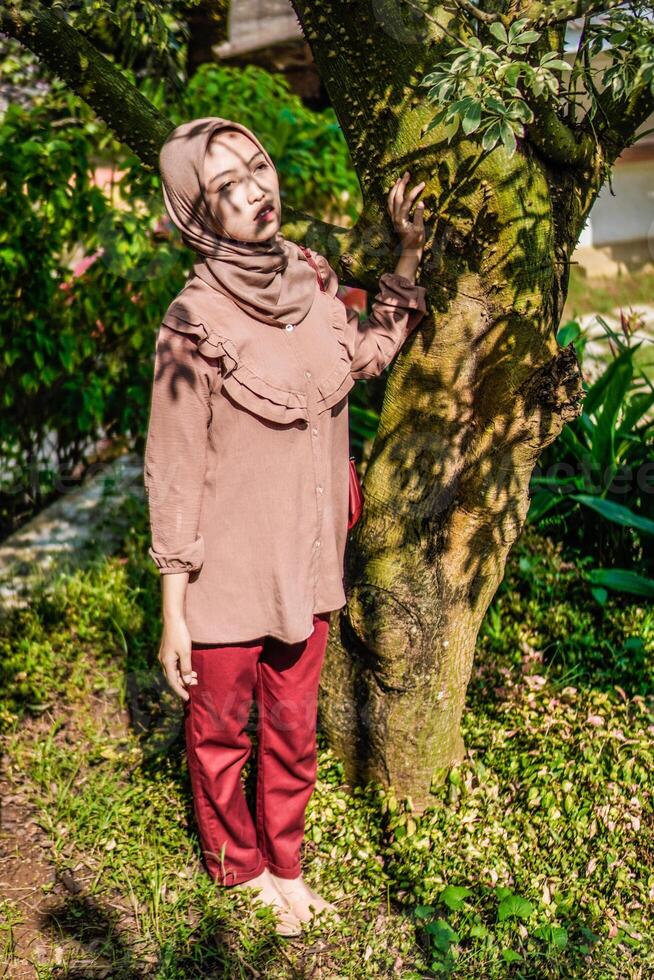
(596, 481)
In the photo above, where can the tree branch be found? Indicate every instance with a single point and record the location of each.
(113, 98)
(621, 117)
(541, 14)
(346, 249)
(481, 15)
(556, 140)
(432, 20)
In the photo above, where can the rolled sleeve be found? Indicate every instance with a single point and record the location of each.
(190, 559)
(176, 452)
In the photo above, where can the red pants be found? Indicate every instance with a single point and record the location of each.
(284, 678)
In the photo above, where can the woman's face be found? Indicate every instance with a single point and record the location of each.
(239, 183)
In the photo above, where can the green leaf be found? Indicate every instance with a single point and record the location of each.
(31, 147)
(536, 83)
(496, 105)
(571, 441)
(568, 333)
(499, 31)
(490, 137)
(553, 935)
(587, 426)
(514, 906)
(528, 37)
(517, 26)
(614, 512)
(472, 118)
(435, 121)
(512, 74)
(454, 896)
(621, 580)
(511, 956)
(542, 502)
(433, 76)
(465, 59)
(643, 361)
(520, 111)
(556, 64)
(508, 137)
(638, 406)
(603, 442)
(442, 935)
(596, 392)
(461, 106)
(452, 125)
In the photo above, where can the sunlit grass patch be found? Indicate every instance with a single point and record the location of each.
(534, 859)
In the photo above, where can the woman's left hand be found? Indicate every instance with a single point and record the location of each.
(411, 231)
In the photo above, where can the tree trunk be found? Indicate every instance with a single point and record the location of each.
(473, 399)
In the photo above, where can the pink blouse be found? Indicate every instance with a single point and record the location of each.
(246, 458)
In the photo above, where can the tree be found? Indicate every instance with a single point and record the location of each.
(513, 160)
(207, 22)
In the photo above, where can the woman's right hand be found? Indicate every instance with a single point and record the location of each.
(175, 656)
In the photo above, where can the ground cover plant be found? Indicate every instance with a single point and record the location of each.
(534, 860)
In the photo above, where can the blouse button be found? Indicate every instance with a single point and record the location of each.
(307, 374)
(315, 431)
(319, 489)
(289, 326)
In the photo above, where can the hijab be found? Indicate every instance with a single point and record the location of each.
(271, 280)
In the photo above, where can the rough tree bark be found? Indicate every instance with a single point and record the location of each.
(475, 395)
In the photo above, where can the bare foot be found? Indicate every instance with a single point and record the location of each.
(303, 900)
(266, 892)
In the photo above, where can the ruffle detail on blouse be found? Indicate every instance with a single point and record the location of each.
(336, 384)
(210, 345)
(339, 323)
(189, 559)
(260, 396)
(239, 379)
(248, 388)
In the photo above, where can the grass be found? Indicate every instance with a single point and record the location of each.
(603, 294)
(535, 859)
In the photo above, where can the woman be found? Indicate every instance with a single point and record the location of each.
(246, 474)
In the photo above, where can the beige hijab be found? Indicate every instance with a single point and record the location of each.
(270, 280)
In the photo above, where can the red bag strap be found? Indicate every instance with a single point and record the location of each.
(311, 262)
